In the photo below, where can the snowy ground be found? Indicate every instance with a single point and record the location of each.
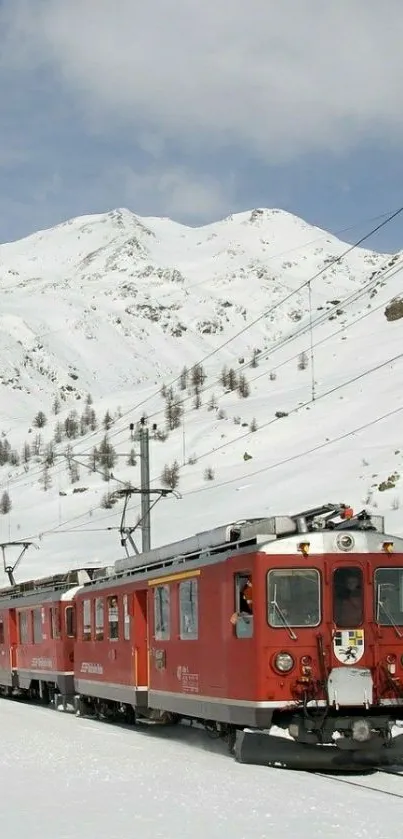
(77, 779)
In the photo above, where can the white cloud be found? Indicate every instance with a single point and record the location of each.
(277, 77)
(174, 192)
(11, 157)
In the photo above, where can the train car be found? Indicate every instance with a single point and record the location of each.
(290, 622)
(8, 640)
(111, 649)
(37, 636)
(316, 649)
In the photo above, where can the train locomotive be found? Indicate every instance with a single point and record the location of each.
(284, 635)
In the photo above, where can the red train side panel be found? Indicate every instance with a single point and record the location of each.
(8, 641)
(111, 656)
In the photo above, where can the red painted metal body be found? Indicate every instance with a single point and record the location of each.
(111, 660)
(177, 639)
(43, 651)
(220, 674)
(8, 644)
(39, 635)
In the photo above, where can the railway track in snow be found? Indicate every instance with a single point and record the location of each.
(385, 781)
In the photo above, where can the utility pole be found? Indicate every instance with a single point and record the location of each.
(126, 531)
(183, 438)
(145, 488)
(312, 344)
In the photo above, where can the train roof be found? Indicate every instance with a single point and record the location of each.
(242, 534)
(56, 582)
(236, 535)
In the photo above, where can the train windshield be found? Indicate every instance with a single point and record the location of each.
(389, 596)
(293, 597)
(348, 597)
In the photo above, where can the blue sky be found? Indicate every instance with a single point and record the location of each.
(201, 111)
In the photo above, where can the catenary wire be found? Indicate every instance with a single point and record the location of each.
(288, 360)
(292, 458)
(275, 419)
(266, 312)
(306, 283)
(303, 405)
(283, 342)
(284, 462)
(299, 407)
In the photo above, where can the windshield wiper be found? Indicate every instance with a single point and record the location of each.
(389, 616)
(284, 619)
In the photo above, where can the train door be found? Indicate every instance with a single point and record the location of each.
(348, 597)
(13, 638)
(140, 636)
(242, 658)
(352, 645)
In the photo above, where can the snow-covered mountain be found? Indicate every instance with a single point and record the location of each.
(116, 305)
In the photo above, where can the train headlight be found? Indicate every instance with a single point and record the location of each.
(361, 730)
(284, 662)
(345, 542)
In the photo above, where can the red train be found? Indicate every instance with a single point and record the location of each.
(294, 622)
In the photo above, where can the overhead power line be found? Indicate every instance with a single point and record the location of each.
(271, 466)
(332, 390)
(298, 456)
(265, 313)
(309, 327)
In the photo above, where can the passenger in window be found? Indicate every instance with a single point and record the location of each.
(246, 598)
(113, 618)
(245, 602)
(349, 603)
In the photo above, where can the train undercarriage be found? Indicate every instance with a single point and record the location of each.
(324, 740)
(314, 740)
(319, 739)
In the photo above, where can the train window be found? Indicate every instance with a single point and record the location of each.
(70, 621)
(24, 627)
(293, 597)
(162, 613)
(113, 618)
(126, 618)
(55, 627)
(37, 626)
(86, 620)
(348, 597)
(99, 618)
(188, 610)
(243, 615)
(389, 596)
(1, 632)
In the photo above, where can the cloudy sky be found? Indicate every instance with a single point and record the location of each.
(194, 109)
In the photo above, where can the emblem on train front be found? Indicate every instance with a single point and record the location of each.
(348, 645)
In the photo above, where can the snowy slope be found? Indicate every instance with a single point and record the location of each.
(115, 305)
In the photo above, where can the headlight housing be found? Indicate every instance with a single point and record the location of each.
(284, 662)
(345, 542)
